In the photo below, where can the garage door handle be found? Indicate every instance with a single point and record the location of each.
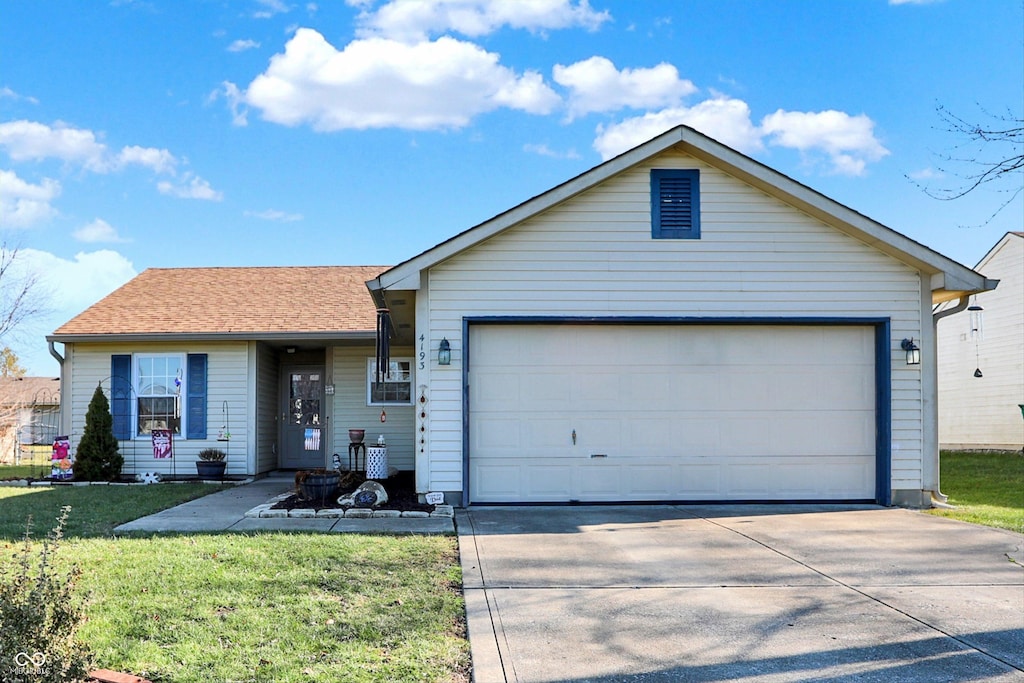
(598, 455)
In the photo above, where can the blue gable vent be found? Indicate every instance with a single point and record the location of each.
(675, 204)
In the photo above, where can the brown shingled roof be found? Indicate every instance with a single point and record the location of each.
(26, 391)
(169, 301)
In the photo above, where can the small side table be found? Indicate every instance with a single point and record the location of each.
(353, 456)
(377, 462)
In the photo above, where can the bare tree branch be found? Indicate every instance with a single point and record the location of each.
(989, 153)
(21, 293)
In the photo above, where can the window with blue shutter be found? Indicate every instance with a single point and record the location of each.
(195, 407)
(121, 396)
(675, 204)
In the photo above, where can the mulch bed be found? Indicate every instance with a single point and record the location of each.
(401, 490)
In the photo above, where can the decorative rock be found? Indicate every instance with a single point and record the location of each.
(387, 513)
(302, 513)
(330, 512)
(274, 514)
(258, 510)
(415, 513)
(443, 511)
(375, 495)
(361, 513)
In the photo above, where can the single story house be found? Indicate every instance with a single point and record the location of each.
(679, 323)
(29, 416)
(981, 359)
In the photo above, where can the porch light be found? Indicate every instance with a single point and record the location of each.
(444, 353)
(913, 352)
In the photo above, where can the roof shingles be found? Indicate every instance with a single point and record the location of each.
(167, 301)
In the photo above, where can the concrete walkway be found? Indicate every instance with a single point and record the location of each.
(225, 511)
(739, 593)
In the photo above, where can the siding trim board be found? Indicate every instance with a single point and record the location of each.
(882, 366)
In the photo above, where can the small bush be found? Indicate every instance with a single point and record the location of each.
(98, 458)
(39, 615)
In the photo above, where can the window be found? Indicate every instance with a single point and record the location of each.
(159, 387)
(396, 386)
(675, 204)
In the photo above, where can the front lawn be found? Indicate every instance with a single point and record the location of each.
(268, 607)
(986, 488)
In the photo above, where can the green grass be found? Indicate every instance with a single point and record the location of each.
(986, 488)
(36, 471)
(271, 607)
(96, 510)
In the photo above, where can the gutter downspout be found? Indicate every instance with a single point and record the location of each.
(60, 361)
(938, 496)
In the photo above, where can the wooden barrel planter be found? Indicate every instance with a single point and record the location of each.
(319, 487)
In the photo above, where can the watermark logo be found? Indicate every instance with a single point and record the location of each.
(35, 661)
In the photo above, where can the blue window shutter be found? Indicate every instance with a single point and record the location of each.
(121, 396)
(195, 405)
(675, 204)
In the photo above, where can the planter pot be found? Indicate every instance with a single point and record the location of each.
(356, 435)
(320, 486)
(211, 469)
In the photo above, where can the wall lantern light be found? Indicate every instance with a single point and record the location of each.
(444, 353)
(913, 352)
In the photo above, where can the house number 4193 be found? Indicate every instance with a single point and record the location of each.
(423, 353)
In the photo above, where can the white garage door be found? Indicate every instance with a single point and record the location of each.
(596, 413)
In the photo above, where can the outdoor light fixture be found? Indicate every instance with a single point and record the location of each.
(444, 353)
(913, 353)
(290, 349)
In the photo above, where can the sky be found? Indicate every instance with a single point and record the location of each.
(141, 134)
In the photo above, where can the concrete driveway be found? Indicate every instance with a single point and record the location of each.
(739, 593)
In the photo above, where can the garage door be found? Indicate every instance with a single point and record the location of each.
(601, 413)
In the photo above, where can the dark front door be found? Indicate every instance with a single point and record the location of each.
(303, 437)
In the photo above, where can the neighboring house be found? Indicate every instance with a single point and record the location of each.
(983, 412)
(678, 323)
(29, 416)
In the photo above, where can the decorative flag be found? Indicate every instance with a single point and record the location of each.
(60, 460)
(161, 443)
(312, 439)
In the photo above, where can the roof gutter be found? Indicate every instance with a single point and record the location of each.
(60, 361)
(216, 336)
(938, 497)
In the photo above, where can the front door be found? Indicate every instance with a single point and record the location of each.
(303, 437)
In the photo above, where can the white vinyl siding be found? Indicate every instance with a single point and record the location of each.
(593, 255)
(982, 412)
(351, 411)
(227, 396)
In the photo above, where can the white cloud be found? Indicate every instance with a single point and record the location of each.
(8, 94)
(275, 215)
(190, 186)
(380, 83)
(417, 20)
(97, 231)
(76, 284)
(724, 119)
(242, 45)
(23, 204)
(159, 160)
(926, 174)
(595, 85)
(32, 141)
(269, 8)
(545, 151)
(28, 140)
(848, 141)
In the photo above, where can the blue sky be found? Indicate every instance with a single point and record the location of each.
(169, 133)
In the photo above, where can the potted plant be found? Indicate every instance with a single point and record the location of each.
(317, 485)
(211, 463)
